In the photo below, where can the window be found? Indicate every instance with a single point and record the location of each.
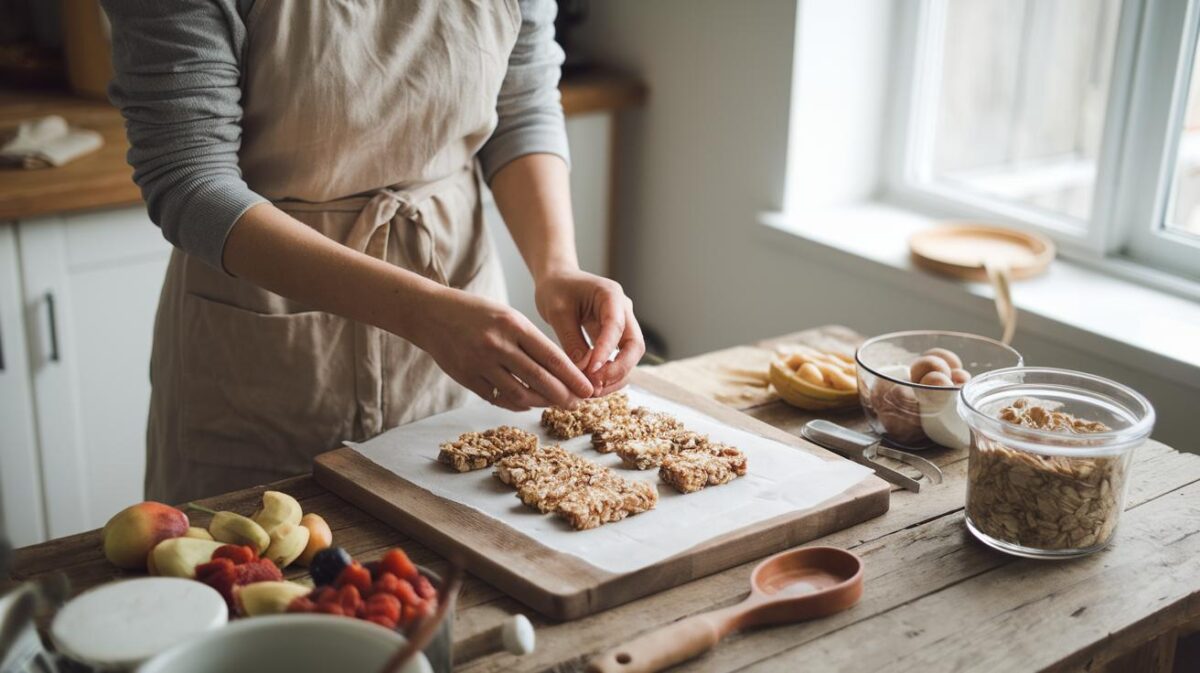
(1078, 118)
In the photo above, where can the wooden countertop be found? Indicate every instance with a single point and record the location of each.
(104, 180)
(935, 599)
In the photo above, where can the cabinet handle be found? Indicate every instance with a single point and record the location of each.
(53, 324)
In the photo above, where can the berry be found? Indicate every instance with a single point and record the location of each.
(405, 592)
(382, 620)
(354, 575)
(425, 588)
(327, 564)
(384, 604)
(398, 563)
(302, 604)
(331, 609)
(239, 554)
(262, 570)
(324, 595)
(349, 598)
(375, 568)
(220, 565)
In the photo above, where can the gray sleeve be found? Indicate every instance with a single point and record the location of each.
(176, 81)
(529, 109)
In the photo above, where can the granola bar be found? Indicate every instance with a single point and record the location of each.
(477, 450)
(585, 417)
(689, 471)
(586, 494)
(606, 502)
(644, 454)
(641, 423)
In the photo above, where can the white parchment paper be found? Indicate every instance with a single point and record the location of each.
(780, 479)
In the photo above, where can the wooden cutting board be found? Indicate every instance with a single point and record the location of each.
(562, 586)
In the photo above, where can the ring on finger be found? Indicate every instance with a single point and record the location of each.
(495, 393)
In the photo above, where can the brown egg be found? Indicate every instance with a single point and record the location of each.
(960, 376)
(949, 356)
(925, 364)
(937, 379)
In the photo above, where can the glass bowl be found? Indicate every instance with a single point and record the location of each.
(912, 415)
(1050, 457)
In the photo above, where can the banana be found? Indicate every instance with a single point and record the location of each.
(233, 528)
(287, 543)
(179, 556)
(796, 387)
(267, 598)
(277, 508)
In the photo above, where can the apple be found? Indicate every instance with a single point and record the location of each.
(134, 531)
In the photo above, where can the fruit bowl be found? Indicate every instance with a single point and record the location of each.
(292, 643)
(915, 415)
(810, 379)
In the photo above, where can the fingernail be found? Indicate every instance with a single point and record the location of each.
(595, 367)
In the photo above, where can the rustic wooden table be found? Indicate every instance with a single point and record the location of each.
(935, 599)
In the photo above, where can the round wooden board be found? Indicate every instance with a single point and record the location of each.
(960, 250)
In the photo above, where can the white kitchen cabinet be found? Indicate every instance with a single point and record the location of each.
(22, 519)
(89, 285)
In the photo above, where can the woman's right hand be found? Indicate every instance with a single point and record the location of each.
(495, 351)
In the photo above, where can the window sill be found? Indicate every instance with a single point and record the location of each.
(1108, 316)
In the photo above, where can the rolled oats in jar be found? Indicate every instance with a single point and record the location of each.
(1049, 459)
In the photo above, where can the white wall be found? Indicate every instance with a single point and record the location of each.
(708, 152)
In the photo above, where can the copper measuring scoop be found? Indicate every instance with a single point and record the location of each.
(791, 586)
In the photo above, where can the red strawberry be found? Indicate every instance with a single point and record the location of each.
(262, 570)
(239, 554)
(349, 598)
(331, 609)
(220, 565)
(425, 588)
(302, 604)
(397, 562)
(355, 575)
(382, 620)
(384, 604)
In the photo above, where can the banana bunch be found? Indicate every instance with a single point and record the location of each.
(279, 530)
(815, 380)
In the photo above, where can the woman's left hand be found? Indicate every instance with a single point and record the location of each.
(574, 301)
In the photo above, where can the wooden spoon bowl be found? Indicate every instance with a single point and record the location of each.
(791, 586)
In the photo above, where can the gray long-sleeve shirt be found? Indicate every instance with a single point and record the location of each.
(177, 80)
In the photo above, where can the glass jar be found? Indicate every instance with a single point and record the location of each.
(1049, 458)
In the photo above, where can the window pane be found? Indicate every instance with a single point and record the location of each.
(1020, 104)
(1183, 214)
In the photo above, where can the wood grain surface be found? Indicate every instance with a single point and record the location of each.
(935, 599)
(563, 586)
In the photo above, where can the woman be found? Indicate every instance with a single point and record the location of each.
(317, 166)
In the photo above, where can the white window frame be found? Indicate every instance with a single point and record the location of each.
(1146, 99)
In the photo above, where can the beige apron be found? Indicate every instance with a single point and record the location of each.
(361, 119)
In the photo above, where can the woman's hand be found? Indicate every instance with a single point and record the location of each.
(489, 347)
(573, 301)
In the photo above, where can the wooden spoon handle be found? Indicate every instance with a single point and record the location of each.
(662, 648)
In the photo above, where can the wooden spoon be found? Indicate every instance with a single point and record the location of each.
(795, 585)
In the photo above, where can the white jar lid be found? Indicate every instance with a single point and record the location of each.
(122, 624)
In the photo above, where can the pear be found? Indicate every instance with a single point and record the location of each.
(267, 598)
(287, 543)
(233, 528)
(179, 556)
(277, 508)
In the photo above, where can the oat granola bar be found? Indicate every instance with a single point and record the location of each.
(606, 502)
(477, 450)
(644, 454)
(694, 469)
(641, 423)
(585, 417)
(586, 494)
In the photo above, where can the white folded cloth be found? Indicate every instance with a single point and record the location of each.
(46, 142)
